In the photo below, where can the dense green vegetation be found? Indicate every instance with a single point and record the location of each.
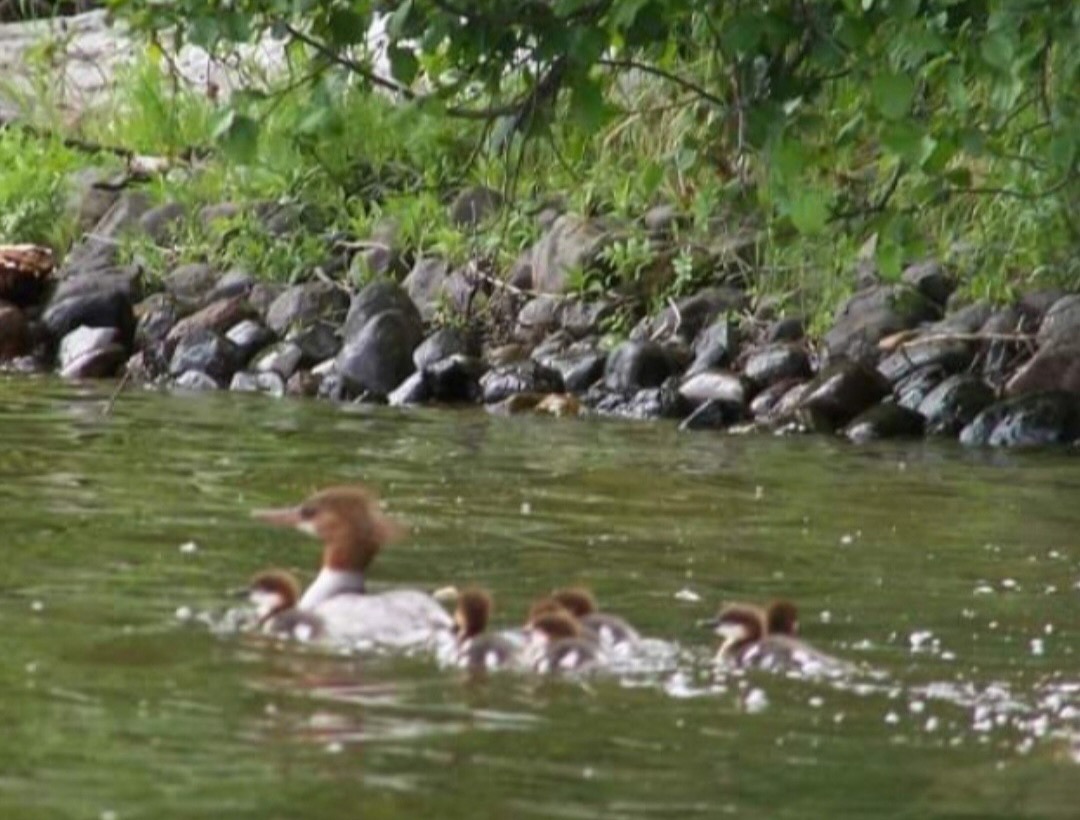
(941, 127)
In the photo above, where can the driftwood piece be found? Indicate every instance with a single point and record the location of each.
(25, 272)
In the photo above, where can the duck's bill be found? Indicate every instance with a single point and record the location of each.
(708, 623)
(279, 516)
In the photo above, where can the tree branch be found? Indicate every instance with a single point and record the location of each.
(353, 66)
(666, 75)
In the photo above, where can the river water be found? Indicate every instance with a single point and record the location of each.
(949, 575)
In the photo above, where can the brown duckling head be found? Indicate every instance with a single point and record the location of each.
(783, 618)
(544, 606)
(555, 626)
(273, 591)
(578, 601)
(739, 626)
(472, 613)
(348, 520)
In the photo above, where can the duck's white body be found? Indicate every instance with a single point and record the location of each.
(397, 618)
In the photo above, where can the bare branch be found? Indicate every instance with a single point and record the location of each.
(648, 68)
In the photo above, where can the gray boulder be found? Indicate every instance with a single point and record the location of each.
(1029, 420)
(91, 353)
(839, 393)
(379, 297)
(443, 343)
(474, 205)
(572, 243)
(1060, 326)
(206, 351)
(636, 366)
(191, 284)
(427, 285)
(871, 315)
(884, 421)
(954, 404)
(519, 377)
(380, 356)
(777, 362)
(96, 302)
(305, 303)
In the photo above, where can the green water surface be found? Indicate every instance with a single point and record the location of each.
(949, 572)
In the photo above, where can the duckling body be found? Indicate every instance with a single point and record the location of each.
(557, 644)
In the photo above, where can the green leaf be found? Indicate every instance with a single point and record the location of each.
(1063, 148)
(809, 210)
(904, 139)
(892, 94)
(652, 175)
(743, 34)
(238, 135)
(403, 64)
(890, 258)
(959, 177)
(788, 159)
(346, 28)
(395, 24)
(316, 119)
(937, 153)
(625, 12)
(587, 106)
(997, 50)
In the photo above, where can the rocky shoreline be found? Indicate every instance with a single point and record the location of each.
(901, 359)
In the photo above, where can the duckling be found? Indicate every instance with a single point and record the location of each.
(274, 592)
(608, 630)
(782, 618)
(746, 644)
(476, 648)
(557, 644)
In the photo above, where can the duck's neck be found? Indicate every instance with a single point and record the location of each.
(330, 582)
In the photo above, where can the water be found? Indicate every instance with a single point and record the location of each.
(950, 572)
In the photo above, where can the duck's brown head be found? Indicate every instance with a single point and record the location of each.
(348, 521)
(544, 606)
(555, 626)
(273, 591)
(739, 626)
(578, 601)
(783, 618)
(472, 613)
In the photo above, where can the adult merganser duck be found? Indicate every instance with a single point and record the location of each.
(557, 644)
(274, 593)
(609, 630)
(353, 529)
(747, 644)
(477, 649)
